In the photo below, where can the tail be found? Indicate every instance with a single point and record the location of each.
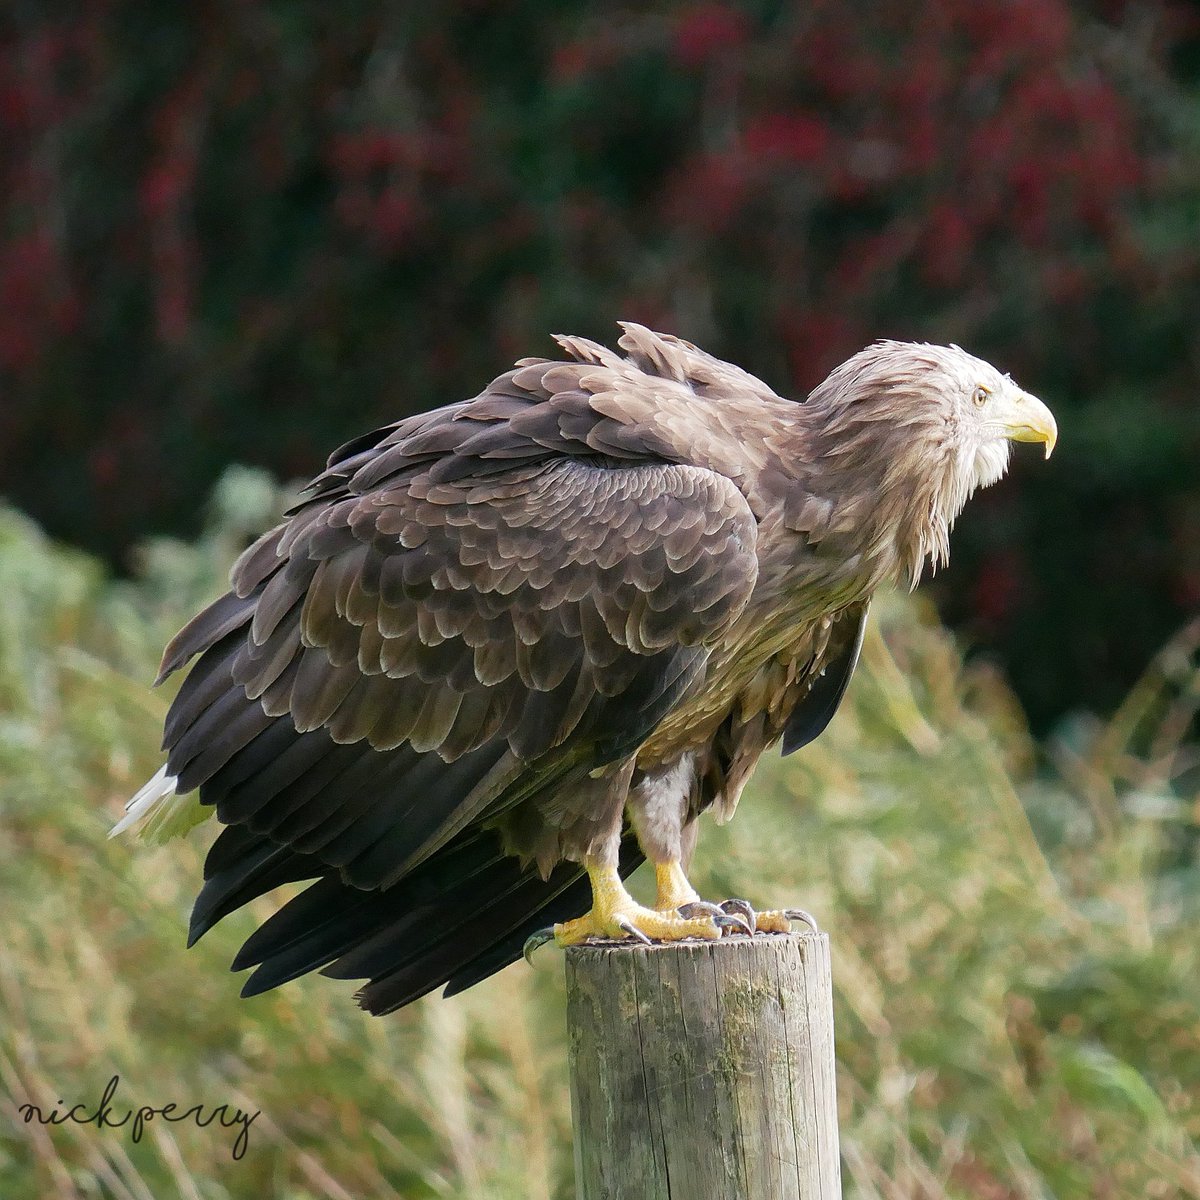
(159, 813)
(459, 917)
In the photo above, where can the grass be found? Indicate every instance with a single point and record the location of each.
(1014, 931)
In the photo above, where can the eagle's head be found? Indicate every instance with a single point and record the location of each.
(920, 428)
(985, 412)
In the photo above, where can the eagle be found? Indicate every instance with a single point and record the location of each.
(503, 651)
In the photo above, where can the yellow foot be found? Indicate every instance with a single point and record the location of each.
(616, 914)
(772, 921)
(631, 920)
(676, 895)
(678, 914)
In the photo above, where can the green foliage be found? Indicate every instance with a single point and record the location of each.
(1014, 937)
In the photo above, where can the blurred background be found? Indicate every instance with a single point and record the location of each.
(247, 232)
(242, 233)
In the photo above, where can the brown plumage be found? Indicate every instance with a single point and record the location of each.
(542, 630)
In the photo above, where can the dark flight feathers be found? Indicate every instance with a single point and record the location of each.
(810, 717)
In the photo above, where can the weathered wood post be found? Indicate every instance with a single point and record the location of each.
(704, 1070)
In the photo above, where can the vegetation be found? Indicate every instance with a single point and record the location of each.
(1015, 955)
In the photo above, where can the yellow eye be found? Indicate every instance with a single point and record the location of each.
(981, 396)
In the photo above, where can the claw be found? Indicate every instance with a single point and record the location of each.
(634, 932)
(799, 914)
(742, 908)
(741, 912)
(719, 914)
(535, 941)
(735, 923)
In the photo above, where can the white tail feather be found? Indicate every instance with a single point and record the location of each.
(158, 812)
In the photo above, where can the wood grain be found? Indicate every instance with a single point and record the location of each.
(704, 1070)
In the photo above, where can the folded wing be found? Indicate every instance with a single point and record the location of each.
(460, 619)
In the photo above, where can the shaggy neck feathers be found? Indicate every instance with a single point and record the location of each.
(892, 449)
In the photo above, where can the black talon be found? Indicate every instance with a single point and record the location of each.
(535, 941)
(735, 922)
(743, 912)
(744, 909)
(634, 931)
(799, 914)
(719, 917)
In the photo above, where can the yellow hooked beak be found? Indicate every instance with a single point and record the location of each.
(1024, 418)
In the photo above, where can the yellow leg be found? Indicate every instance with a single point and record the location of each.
(616, 914)
(674, 891)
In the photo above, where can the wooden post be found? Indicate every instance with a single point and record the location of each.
(704, 1070)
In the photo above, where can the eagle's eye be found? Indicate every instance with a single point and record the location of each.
(981, 396)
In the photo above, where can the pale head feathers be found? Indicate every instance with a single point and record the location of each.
(911, 423)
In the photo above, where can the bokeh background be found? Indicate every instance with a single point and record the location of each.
(242, 233)
(246, 232)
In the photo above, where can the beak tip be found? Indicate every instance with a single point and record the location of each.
(1036, 423)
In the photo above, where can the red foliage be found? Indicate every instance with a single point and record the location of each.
(707, 192)
(787, 137)
(705, 32)
(35, 298)
(816, 342)
(260, 214)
